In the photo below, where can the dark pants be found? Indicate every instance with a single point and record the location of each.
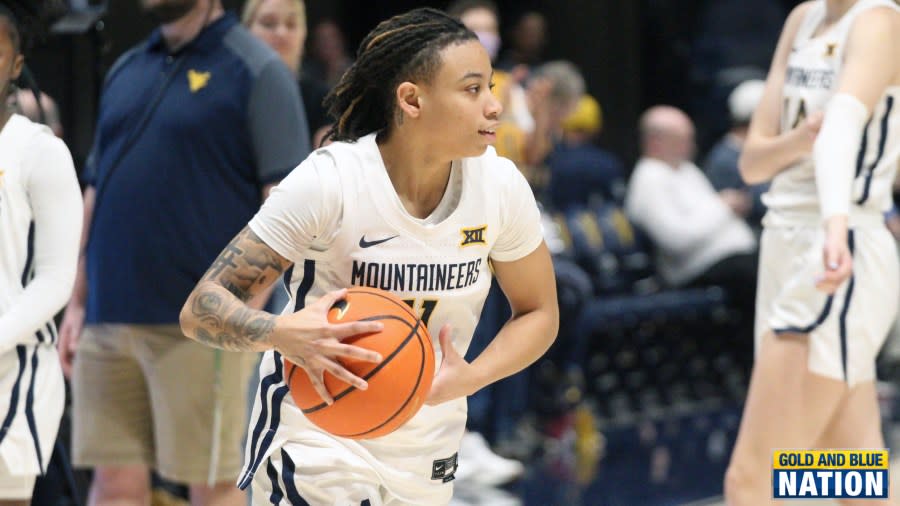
(737, 275)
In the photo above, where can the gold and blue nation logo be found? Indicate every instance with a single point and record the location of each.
(837, 474)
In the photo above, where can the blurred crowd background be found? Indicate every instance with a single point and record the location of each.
(638, 402)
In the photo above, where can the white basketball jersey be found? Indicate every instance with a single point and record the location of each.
(813, 73)
(339, 219)
(16, 220)
(32, 392)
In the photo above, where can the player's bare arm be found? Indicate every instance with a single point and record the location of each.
(768, 151)
(216, 312)
(871, 67)
(872, 56)
(259, 300)
(530, 287)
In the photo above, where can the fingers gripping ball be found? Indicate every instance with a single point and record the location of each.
(398, 385)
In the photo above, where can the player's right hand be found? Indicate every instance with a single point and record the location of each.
(69, 334)
(836, 256)
(309, 340)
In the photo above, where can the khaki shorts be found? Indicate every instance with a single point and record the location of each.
(145, 394)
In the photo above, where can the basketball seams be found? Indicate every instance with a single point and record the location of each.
(412, 394)
(414, 331)
(413, 366)
(392, 300)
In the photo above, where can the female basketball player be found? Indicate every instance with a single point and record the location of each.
(828, 270)
(40, 226)
(409, 175)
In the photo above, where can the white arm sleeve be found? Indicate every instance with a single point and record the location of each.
(835, 152)
(521, 231)
(306, 207)
(56, 206)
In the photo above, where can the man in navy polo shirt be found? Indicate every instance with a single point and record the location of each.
(195, 123)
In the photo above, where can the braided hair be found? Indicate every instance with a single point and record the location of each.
(403, 48)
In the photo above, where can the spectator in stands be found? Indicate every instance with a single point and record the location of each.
(328, 51)
(282, 25)
(580, 172)
(699, 235)
(553, 94)
(528, 37)
(721, 164)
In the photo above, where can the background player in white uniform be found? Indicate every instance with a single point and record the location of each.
(410, 199)
(40, 226)
(827, 134)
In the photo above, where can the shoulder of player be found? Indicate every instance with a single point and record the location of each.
(333, 154)
(874, 36)
(33, 136)
(879, 21)
(40, 149)
(796, 17)
(324, 166)
(799, 12)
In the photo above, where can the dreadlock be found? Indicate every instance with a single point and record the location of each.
(403, 48)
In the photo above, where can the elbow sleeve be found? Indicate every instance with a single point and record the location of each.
(835, 152)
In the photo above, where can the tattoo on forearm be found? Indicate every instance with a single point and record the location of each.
(246, 263)
(226, 322)
(220, 315)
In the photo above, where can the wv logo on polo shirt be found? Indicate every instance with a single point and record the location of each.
(473, 235)
(197, 80)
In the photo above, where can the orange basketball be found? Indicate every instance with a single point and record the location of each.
(397, 386)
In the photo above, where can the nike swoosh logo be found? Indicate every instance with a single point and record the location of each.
(363, 243)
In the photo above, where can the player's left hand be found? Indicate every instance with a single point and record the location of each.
(836, 256)
(453, 378)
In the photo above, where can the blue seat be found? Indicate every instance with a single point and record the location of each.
(661, 307)
(626, 241)
(608, 247)
(660, 351)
